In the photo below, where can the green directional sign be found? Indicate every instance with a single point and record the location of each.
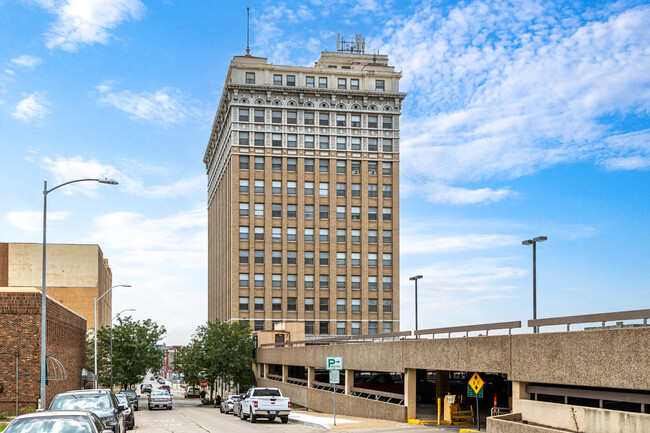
(471, 393)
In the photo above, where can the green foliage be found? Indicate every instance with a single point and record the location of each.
(3, 426)
(3, 415)
(136, 349)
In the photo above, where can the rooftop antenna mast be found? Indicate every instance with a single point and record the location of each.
(248, 49)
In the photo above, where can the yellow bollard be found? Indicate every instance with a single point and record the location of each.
(438, 410)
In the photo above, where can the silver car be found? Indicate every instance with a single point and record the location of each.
(101, 402)
(228, 403)
(159, 398)
(57, 421)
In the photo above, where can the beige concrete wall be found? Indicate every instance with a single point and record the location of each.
(511, 423)
(323, 401)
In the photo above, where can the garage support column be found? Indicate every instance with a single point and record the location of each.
(410, 391)
(285, 373)
(518, 393)
(311, 375)
(266, 371)
(349, 381)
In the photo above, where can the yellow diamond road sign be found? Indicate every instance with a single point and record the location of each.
(476, 382)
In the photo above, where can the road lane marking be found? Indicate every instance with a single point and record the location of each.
(204, 428)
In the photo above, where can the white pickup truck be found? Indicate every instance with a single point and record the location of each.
(265, 403)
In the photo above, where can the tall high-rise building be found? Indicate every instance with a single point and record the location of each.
(303, 195)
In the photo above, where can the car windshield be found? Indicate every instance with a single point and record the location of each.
(123, 399)
(131, 394)
(53, 424)
(267, 393)
(159, 392)
(90, 402)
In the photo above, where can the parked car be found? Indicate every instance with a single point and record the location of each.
(228, 403)
(236, 408)
(192, 392)
(159, 398)
(59, 421)
(133, 398)
(101, 402)
(146, 388)
(129, 416)
(265, 403)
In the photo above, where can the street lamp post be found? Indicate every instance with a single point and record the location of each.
(43, 292)
(533, 242)
(95, 330)
(416, 278)
(116, 316)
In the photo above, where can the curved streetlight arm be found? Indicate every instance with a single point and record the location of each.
(106, 292)
(123, 311)
(103, 180)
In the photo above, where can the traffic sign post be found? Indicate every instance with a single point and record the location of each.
(334, 364)
(475, 384)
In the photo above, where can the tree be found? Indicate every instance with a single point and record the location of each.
(136, 349)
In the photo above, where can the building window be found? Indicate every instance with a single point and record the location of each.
(324, 212)
(340, 120)
(324, 166)
(244, 162)
(323, 258)
(243, 209)
(340, 190)
(388, 305)
(309, 327)
(259, 140)
(356, 167)
(355, 305)
(372, 259)
(372, 145)
(276, 164)
(291, 305)
(340, 282)
(372, 214)
(323, 282)
(309, 165)
(276, 257)
(259, 163)
(324, 142)
(243, 138)
(372, 121)
(340, 166)
(243, 186)
(355, 236)
(355, 259)
(323, 235)
(372, 190)
(388, 145)
(355, 190)
(259, 325)
(387, 191)
(259, 281)
(387, 283)
(323, 328)
(340, 328)
(292, 234)
(354, 84)
(387, 122)
(355, 282)
(243, 233)
(379, 85)
(292, 140)
(355, 213)
(372, 327)
(309, 118)
(243, 257)
(292, 164)
(340, 305)
(387, 213)
(309, 281)
(372, 236)
(309, 211)
(372, 282)
(309, 258)
(355, 143)
(243, 303)
(291, 211)
(372, 168)
(309, 305)
(340, 259)
(276, 187)
(244, 114)
(276, 281)
(342, 84)
(387, 168)
(291, 80)
(276, 116)
(309, 235)
(324, 305)
(259, 257)
(309, 82)
(259, 210)
(340, 212)
(323, 119)
(250, 77)
(355, 121)
(292, 280)
(292, 188)
(340, 235)
(323, 189)
(276, 140)
(259, 187)
(322, 82)
(387, 327)
(276, 234)
(259, 304)
(276, 210)
(309, 141)
(309, 188)
(292, 257)
(387, 260)
(259, 116)
(276, 304)
(243, 282)
(277, 80)
(292, 118)
(340, 143)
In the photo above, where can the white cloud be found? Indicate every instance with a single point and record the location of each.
(164, 107)
(10, 72)
(87, 21)
(419, 243)
(437, 192)
(32, 222)
(26, 61)
(32, 107)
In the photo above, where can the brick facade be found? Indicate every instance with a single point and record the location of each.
(20, 323)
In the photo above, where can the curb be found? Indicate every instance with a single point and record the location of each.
(309, 424)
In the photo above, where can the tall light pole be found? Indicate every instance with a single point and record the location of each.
(116, 316)
(43, 292)
(416, 278)
(533, 242)
(96, 301)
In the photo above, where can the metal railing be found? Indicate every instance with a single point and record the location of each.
(487, 327)
(376, 395)
(593, 318)
(625, 397)
(274, 376)
(296, 381)
(328, 386)
(341, 339)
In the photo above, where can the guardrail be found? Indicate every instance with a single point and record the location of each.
(593, 318)
(626, 397)
(374, 394)
(467, 329)
(274, 377)
(329, 386)
(296, 381)
(341, 339)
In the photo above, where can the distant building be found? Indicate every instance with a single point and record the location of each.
(303, 195)
(76, 275)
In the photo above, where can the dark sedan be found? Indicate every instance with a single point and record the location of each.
(133, 398)
(129, 417)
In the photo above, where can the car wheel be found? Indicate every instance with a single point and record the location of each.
(170, 408)
(241, 415)
(220, 409)
(253, 418)
(285, 419)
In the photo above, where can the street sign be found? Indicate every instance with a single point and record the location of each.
(335, 376)
(476, 382)
(203, 384)
(471, 393)
(334, 363)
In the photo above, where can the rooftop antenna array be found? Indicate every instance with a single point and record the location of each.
(248, 48)
(356, 46)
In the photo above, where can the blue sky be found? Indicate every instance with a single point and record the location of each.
(522, 119)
